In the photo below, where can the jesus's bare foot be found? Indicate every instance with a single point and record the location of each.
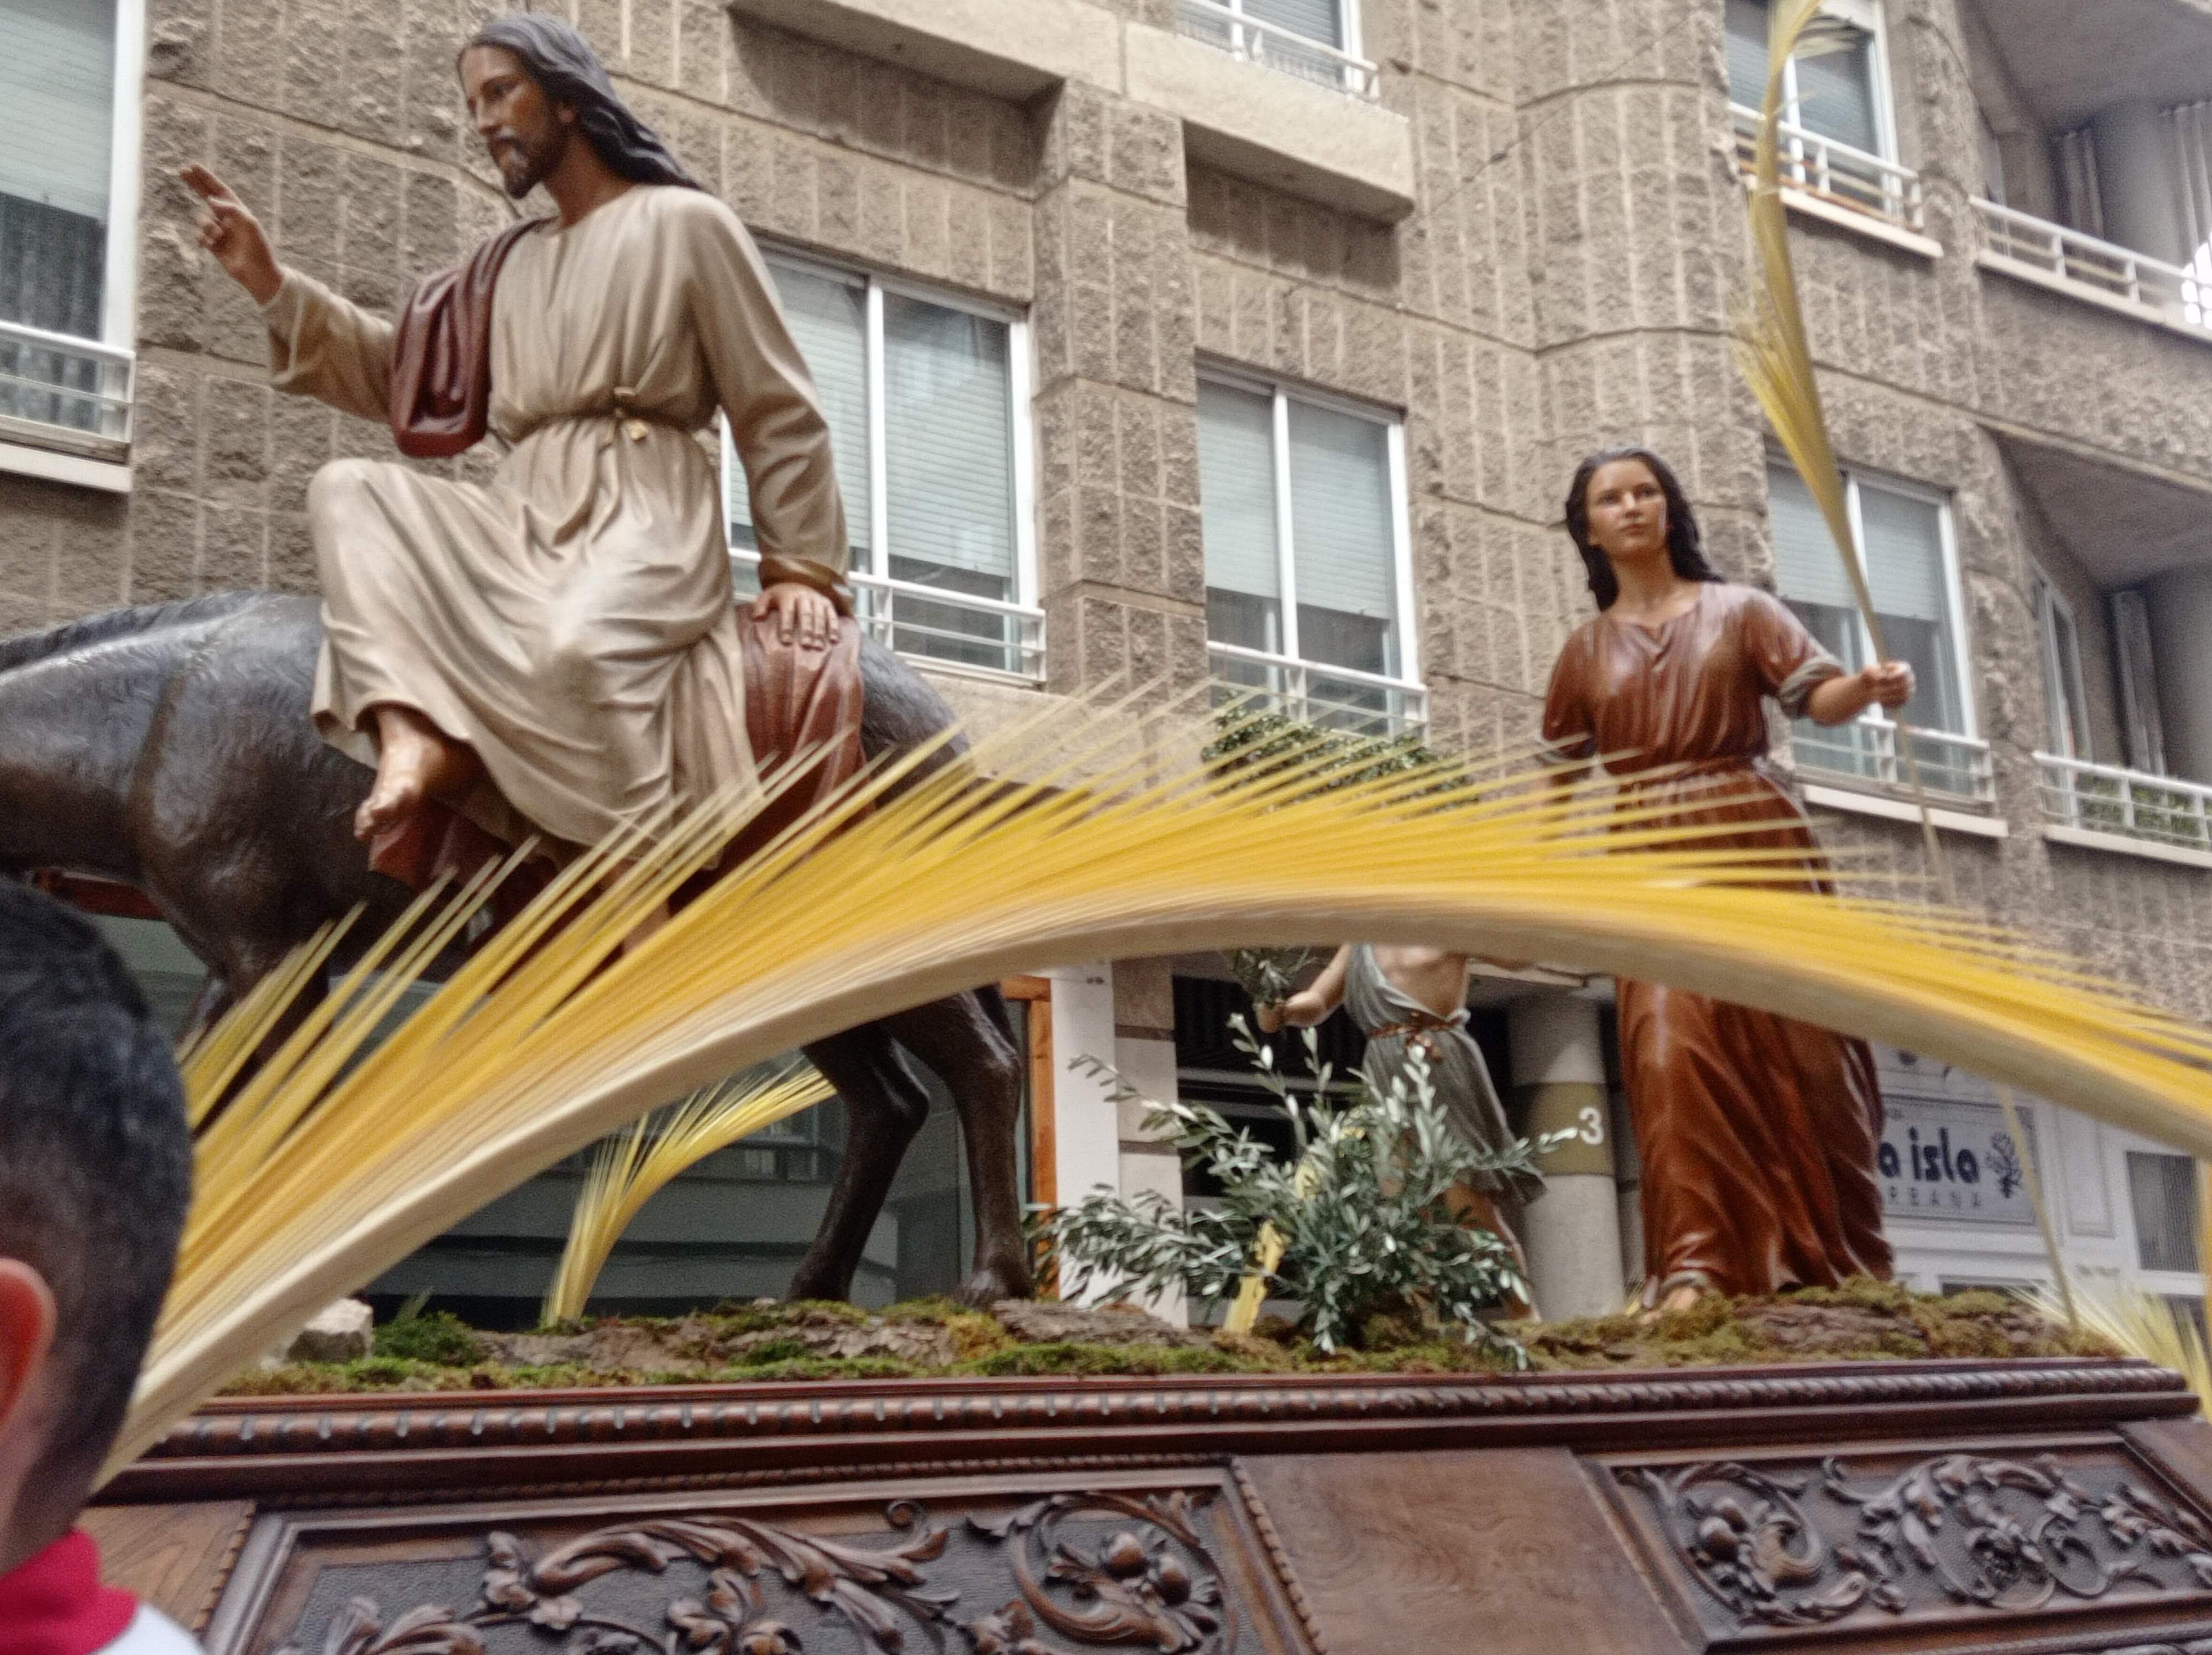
(414, 761)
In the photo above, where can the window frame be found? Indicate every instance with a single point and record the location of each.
(1869, 15)
(60, 453)
(1961, 643)
(876, 285)
(2061, 688)
(1281, 393)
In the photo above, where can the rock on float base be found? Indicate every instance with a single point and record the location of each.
(2039, 1507)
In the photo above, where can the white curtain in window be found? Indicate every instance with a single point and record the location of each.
(1807, 568)
(948, 437)
(828, 320)
(1341, 525)
(1236, 490)
(57, 90)
(1316, 19)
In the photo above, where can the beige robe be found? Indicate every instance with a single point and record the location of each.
(572, 619)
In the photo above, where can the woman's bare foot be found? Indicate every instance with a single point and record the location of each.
(1684, 1298)
(414, 761)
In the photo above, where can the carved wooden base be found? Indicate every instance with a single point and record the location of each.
(2032, 1508)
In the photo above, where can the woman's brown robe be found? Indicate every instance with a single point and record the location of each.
(1757, 1135)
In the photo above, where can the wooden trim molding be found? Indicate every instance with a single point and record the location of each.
(267, 1448)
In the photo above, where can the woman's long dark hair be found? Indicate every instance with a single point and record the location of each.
(1685, 545)
(568, 71)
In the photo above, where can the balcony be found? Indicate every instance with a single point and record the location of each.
(64, 393)
(1954, 769)
(951, 631)
(1331, 698)
(1255, 40)
(2051, 255)
(1836, 182)
(2115, 809)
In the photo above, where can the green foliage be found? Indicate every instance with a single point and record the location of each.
(1068, 1357)
(438, 1336)
(1250, 746)
(1364, 1216)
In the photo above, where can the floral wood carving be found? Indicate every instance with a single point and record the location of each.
(877, 1593)
(1153, 1584)
(1957, 1528)
(1150, 1582)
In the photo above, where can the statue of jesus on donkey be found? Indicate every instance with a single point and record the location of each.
(555, 652)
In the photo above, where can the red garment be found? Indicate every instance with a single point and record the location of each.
(55, 1605)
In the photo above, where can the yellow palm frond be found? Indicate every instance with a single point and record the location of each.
(1104, 835)
(633, 1167)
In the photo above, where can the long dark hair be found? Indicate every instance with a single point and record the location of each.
(1685, 544)
(568, 71)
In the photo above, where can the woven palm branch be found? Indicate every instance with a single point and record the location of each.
(1103, 834)
(638, 1164)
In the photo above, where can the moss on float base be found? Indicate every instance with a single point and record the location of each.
(1860, 1321)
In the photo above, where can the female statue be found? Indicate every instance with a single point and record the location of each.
(1757, 1133)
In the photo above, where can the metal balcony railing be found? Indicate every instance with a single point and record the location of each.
(1256, 41)
(73, 392)
(1836, 172)
(2106, 799)
(2051, 253)
(955, 631)
(1332, 698)
(1866, 751)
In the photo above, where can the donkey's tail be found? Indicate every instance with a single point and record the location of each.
(28, 647)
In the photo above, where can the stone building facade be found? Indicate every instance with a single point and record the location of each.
(1402, 263)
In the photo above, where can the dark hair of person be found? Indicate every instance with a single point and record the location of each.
(1685, 544)
(95, 1174)
(568, 71)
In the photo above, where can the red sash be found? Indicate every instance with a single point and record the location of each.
(441, 355)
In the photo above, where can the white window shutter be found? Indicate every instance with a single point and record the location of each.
(57, 88)
(1836, 94)
(1236, 490)
(1807, 568)
(1340, 520)
(1748, 21)
(1904, 555)
(1316, 19)
(828, 320)
(948, 437)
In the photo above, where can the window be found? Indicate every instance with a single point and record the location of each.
(1835, 87)
(1307, 587)
(1282, 28)
(2139, 708)
(1905, 537)
(69, 161)
(2164, 1190)
(926, 399)
(2065, 705)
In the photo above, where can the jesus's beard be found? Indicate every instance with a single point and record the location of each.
(528, 160)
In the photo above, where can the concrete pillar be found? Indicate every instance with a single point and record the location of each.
(2135, 182)
(2179, 606)
(1572, 1234)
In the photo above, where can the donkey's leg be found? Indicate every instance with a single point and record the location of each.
(965, 1039)
(885, 1105)
(211, 1003)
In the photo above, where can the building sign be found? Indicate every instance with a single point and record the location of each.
(1953, 1159)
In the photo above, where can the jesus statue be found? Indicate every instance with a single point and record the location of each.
(554, 650)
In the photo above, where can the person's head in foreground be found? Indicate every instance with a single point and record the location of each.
(95, 1171)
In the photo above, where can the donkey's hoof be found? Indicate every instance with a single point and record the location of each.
(993, 1282)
